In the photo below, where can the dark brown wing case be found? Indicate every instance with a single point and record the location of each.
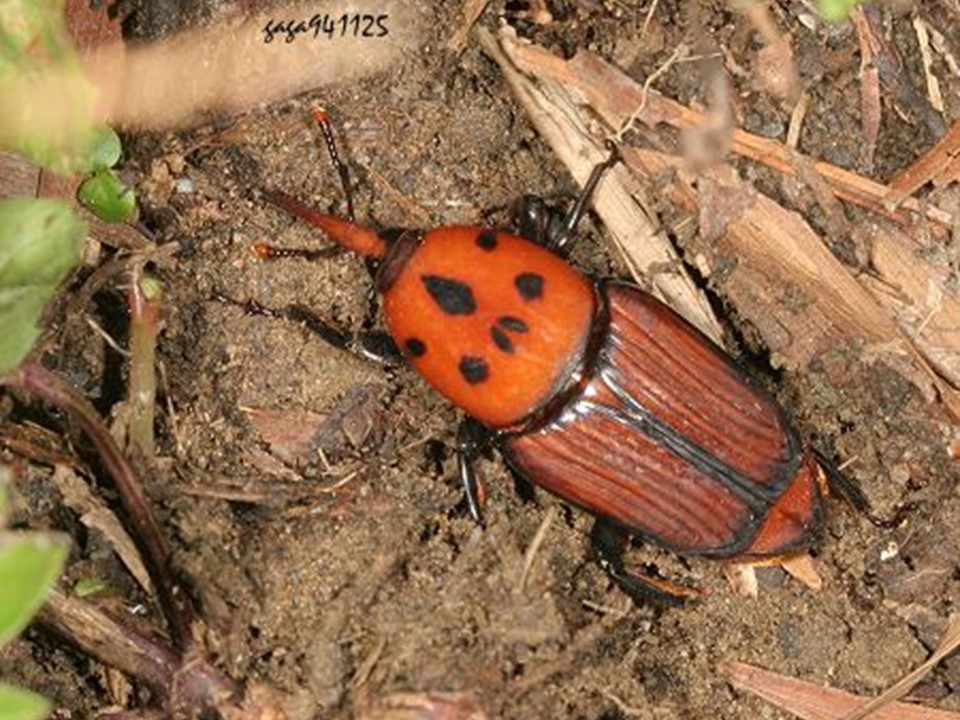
(670, 439)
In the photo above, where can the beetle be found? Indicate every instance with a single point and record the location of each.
(591, 388)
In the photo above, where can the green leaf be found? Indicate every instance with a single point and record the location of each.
(17, 704)
(106, 150)
(29, 565)
(40, 243)
(105, 195)
(39, 67)
(23, 22)
(837, 10)
(63, 144)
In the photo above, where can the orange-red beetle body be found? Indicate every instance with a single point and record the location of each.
(601, 394)
(595, 391)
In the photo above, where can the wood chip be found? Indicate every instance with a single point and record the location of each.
(939, 165)
(472, 9)
(917, 296)
(615, 97)
(869, 92)
(742, 578)
(803, 568)
(933, 84)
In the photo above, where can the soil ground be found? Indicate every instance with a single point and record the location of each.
(344, 576)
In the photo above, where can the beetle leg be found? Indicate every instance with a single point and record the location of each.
(609, 541)
(370, 344)
(562, 234)
(472, 439)
(538, 222)
(842, 486)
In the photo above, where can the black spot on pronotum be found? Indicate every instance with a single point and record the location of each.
(513, 324)
(416, 347)
(474, 369)
(529, 285)
(487, 240)
(501, 340)
(453, 297)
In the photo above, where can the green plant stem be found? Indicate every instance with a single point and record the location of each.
(186, 686)
(145, 530)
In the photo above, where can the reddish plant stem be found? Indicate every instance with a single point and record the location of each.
(184, 686)
(144, 299)
(144, 528)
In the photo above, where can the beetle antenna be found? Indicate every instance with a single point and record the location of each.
(322, 119)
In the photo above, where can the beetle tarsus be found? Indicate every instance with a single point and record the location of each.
(608, 541)
(472, 439)
(378, 346)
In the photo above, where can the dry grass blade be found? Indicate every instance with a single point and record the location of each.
(97, 516)
(815, 702)
(950, 642)
(424, 706)
(145, 304)
(535, 544)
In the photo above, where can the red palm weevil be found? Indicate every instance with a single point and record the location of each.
(592, 389)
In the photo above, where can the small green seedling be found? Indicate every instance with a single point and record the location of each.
(838, 10)
(29, 565)
(104, 193)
